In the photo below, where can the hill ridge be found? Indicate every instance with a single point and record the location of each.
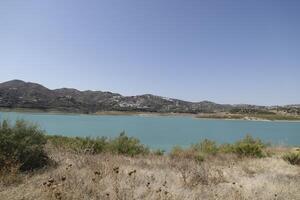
(21, 94)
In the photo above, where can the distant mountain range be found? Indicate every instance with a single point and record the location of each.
(20, 94)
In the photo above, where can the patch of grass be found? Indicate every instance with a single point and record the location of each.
(10, 174)
(292, 157)
(179, 152)
(23, 144)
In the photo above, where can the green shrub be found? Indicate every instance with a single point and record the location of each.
(292, 157)
(249, 147)
(245, 147)
(78, 144)
(120, 145)
(206, 146)
(199, 157)
(127, 145)
(226, 148)
(22, 143)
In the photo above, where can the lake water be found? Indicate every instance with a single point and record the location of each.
(162, 132)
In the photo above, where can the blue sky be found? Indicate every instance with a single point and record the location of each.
(231, 51)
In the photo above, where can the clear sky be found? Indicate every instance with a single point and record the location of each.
(226, 51)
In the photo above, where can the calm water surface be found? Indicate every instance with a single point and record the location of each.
(162, 132)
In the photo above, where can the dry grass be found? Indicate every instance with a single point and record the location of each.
(106, 176)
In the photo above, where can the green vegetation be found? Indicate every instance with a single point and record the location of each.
(22, 145)
(206, 147)
(247, 147)
(251, 111)
(120, 145)
(292, 157)
(78, 144)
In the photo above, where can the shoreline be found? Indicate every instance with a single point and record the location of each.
(199, 116)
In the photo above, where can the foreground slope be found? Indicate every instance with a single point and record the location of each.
(107, 176)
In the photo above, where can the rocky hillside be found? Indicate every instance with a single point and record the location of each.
(20, 94)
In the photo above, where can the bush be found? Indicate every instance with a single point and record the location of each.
(249, 147)
(206, 146)
(127, 145)
(120, 145)
(78, 144)
(226, 148)
(245, 147)
(292, 157)
(22, 144)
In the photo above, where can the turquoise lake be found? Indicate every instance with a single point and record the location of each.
(162, 132)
